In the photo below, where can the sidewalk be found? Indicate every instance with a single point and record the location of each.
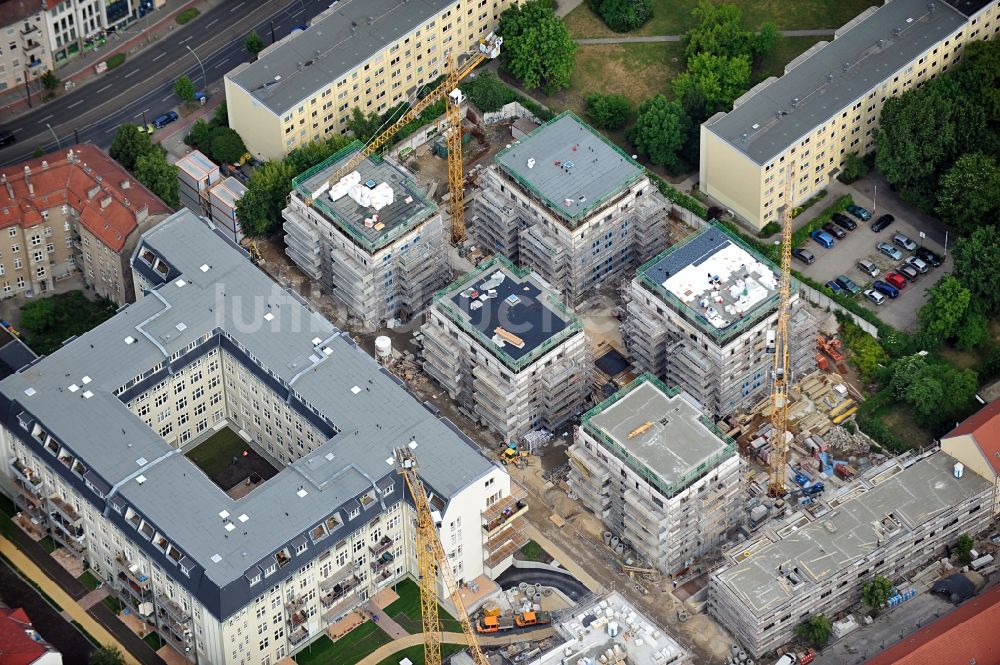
(384, 621)
(172, 136)
(80, 71)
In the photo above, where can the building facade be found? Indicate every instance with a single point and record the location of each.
(702, 316)
(827, 104)
(373, 239)
(364, 54)
(507, 350)
(570, 205)
(25, 53)
(78, 212)
(253, 571)
(975, 442)
(655, 469)
(888, 524)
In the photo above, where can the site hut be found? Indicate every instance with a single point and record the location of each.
(702, 315)
(900, 516)
(827, 104)
(503, 345)
(239, 555)
(655, 469)
(364, 54)
(572, 206)
(372, 238)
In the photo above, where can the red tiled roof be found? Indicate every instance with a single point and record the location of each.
(16, 647)
(66, 182)
(13, 11)
(984, 426)
(965, 635)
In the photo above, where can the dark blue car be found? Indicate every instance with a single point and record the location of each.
(165, 119)
(885, 288)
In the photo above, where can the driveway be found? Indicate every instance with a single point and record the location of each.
(900, 313)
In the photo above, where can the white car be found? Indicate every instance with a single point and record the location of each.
(874, 296)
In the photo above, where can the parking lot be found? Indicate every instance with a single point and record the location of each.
(843, 258)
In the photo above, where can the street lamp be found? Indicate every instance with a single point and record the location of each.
(58, 142)
(204, 79)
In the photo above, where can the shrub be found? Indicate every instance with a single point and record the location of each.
(855, 168)
(115, 61)
(625, 15)
(187, 16)
(769, 230)
(810, 202)
(678, 197)
(608, 111)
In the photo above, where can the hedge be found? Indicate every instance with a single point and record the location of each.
(187, 16)
(676, 196)
(115, 61)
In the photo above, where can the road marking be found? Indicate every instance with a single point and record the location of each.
(76, 104)
(166, 98)
(134, 71)
(158, 57)
(44, 119)
(104, 88)
(186, 39)
(109, 130)
(296, 13)
(15, 131)
(214, 21)
(222, 62)
(235, 7)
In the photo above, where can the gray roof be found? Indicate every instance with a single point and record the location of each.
(330, 48)
(223, 300)
(822, 548)
(675, 442)
(575, 169)
(837, 74)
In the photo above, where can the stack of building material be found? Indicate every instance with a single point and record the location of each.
(196, 174)
(223, 198)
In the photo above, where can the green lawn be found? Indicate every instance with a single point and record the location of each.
(217, 452)
(153, 640)
(673, 17)
(47, 544)
(348, 650)
(113, 604)
(532, 551)
(405, 610)
(88, 580)
(416, 654)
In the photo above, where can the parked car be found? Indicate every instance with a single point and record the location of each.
(904, 241)
(889, 251)
(918, 264)
(886, 288)
(859, 212)
(896, 280)
(843, 221)
(908, 271)
(803, 255)
(7, 137)
(882, 222)
(165, 119)
(835, 231)
(833, 286)
(868, 268)
(147, 128)
(928, 257)
(874, 296)
(823, 238)
(847, 284)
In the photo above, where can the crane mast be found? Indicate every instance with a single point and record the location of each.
(780, 374)
(431, 562)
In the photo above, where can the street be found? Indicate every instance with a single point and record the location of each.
(144, 83)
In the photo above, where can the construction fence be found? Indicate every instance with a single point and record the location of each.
(825, 302)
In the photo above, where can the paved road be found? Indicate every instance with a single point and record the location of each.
(145, 82)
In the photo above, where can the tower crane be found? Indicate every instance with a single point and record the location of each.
(488, 48)
(780, 374)
(431, 562)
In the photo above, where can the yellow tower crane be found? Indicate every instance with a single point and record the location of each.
(780, 374)
(488, 48)
(432, 562)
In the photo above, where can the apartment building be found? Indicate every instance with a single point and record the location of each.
(898, 517)
(827, 103)
(366, 54)
(95, 439)
(702, 316)
(655, 469)
(570, 205)
(975, 442)
(372, 238)
(73, 26)
(25, 53)
(507, 350)
(68, 213)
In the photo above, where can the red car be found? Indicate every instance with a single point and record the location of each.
(896, 280)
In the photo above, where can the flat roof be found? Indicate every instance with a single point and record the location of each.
(574, 168)
(850, 531)
(373, 228)
(209, 297)
(498, 295)
(712, 277)
(663, 431)
(348, 35)
(774, 116)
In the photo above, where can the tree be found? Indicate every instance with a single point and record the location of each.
(979, 72)
(963, 548)
(107, 655)
(765, 40)
(977, 266)
(967, 194)
(128, 145)
(877, 592)
(608, 111)
(973, 331)
(718, 80)
(305, 157)
(184, 88)
(50, 81)
(660, 131)
(720, 31)
(815, 631)
(537, 48)
(487, 92)
(200, 135)
(259, 210)
(152, 170)
(625, 15)
(364, 126)
(251, 210)
(254, 44)
(854, 168)
(227, 147)
(220, 118)
(945, 309)
(39, 315)
(936, 391)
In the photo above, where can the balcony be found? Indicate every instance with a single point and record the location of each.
(30, 47)
(66, 510)
(295, 603)
(26, 474)
(28, 28)
(497, 555)
(296, 619)
(341, 575)
(174, 610)
(505, 505)
(381, 546)
(506, 518)
(340, 607)
(338, 592)
(380, 563)
(130, 572)
(298, 635)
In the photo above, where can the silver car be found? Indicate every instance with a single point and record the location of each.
(889, 251)
(917, 264)
(874, 296)
(904, 241)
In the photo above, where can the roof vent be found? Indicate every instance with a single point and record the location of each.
(130, 340)
(795, 102)
(140, 479)
(45, 164)
(829, 78)
(846, 66)
(105, 202)
(216, 558)
(223, 514)
(29, 392)
(301, 493)
(87, 394)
